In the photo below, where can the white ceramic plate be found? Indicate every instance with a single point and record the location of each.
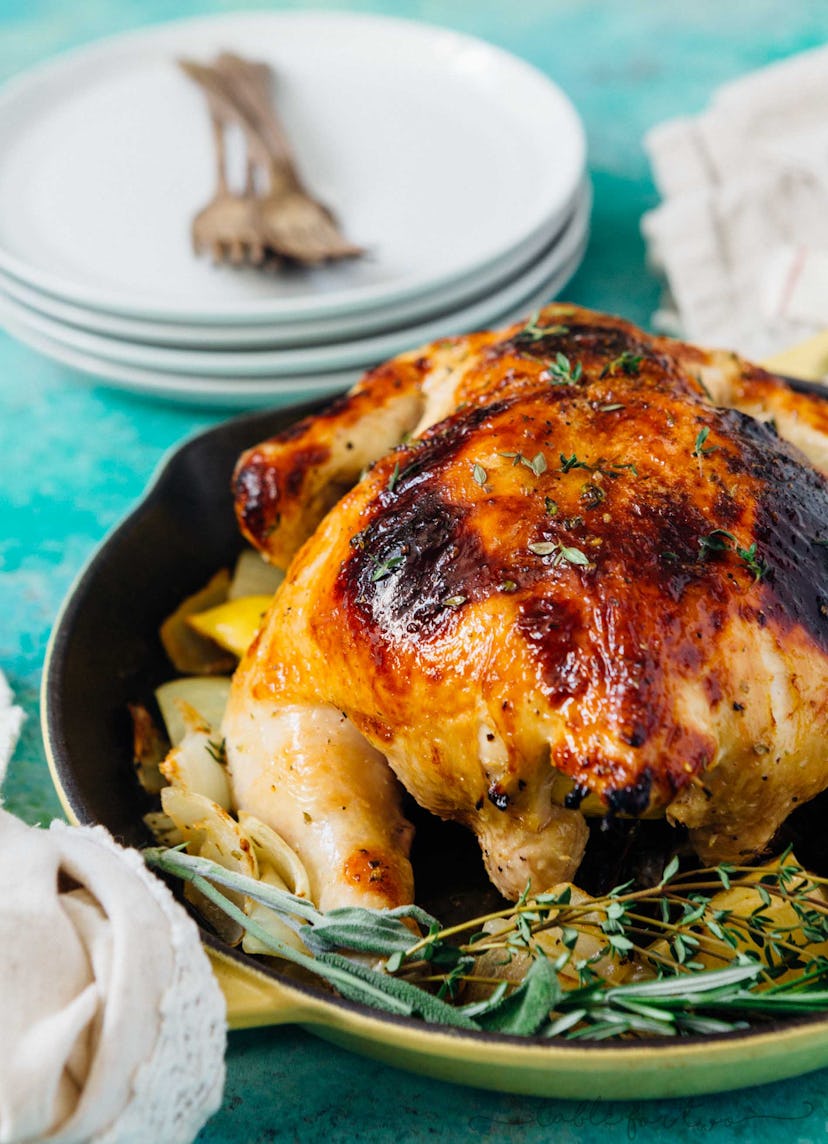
(441, 154)
(357, 354)
(286, 334)
(239, 393)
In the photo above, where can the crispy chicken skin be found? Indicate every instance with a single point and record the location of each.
(593, 578)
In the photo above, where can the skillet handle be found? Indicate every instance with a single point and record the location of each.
(254, 999)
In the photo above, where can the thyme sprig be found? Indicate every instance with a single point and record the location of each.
(533, 332)
(559, 552)
(217, 750)
(700, 449)
(537, 464)
(628, 363)
(384, 568)
(703, 951)
(720, 541)
(564, 372)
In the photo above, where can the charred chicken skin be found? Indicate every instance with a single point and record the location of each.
(585, 572)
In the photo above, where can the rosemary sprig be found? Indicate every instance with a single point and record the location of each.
(775, 950)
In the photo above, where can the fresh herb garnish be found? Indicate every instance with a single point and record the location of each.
(716, 541)
(551, 506)
(507, 586)
(537, 464)
(720, 540)
(217, 750)
(703, 387)
(610, 408)
(532, 332)
(572, 462)
(627, 363)
(700, 450)
(395, 476)
(613, 470)
(574, 555)
(561, 552)
(480, 475)
(563, 372)
(454, 601)
(386, 567)
(706, 961)
(754, 563)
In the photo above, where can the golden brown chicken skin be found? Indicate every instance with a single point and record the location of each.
(582, 585)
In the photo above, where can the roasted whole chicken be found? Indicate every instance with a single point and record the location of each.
(534, 574)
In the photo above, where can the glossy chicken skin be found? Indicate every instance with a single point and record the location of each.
(581, 586)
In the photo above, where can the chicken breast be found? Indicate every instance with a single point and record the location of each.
(586, 572)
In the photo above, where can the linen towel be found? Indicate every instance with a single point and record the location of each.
(113, 1025)
(741, 236)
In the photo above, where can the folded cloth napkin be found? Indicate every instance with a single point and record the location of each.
(741, 236)
(113, 1025)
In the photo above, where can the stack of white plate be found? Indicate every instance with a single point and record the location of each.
(459, 169)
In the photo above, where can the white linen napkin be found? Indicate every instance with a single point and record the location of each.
(741, 236)
(113, 1025)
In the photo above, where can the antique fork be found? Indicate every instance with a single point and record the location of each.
(293, 222)
(227, 226)
(288, 221)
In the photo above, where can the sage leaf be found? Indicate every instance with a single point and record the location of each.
(360, 930)
(421, 1003)
(527, 1009)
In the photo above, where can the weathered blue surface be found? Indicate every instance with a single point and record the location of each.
(74, 457)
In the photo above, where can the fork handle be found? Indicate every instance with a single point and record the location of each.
(266, 140)
(252, 85)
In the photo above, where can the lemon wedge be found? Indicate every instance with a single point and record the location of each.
(234, 624)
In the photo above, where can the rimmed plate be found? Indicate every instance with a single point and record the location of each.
(104, 652)
(354, 354)
(442, 154)
(287, 333)
(310, 359)
(243, 392)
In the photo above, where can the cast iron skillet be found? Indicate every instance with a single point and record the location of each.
(105, 653)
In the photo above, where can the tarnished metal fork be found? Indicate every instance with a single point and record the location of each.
(227, 227)
(283, 220)
(293, 222)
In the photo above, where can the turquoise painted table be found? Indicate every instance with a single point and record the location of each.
(74, 456)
